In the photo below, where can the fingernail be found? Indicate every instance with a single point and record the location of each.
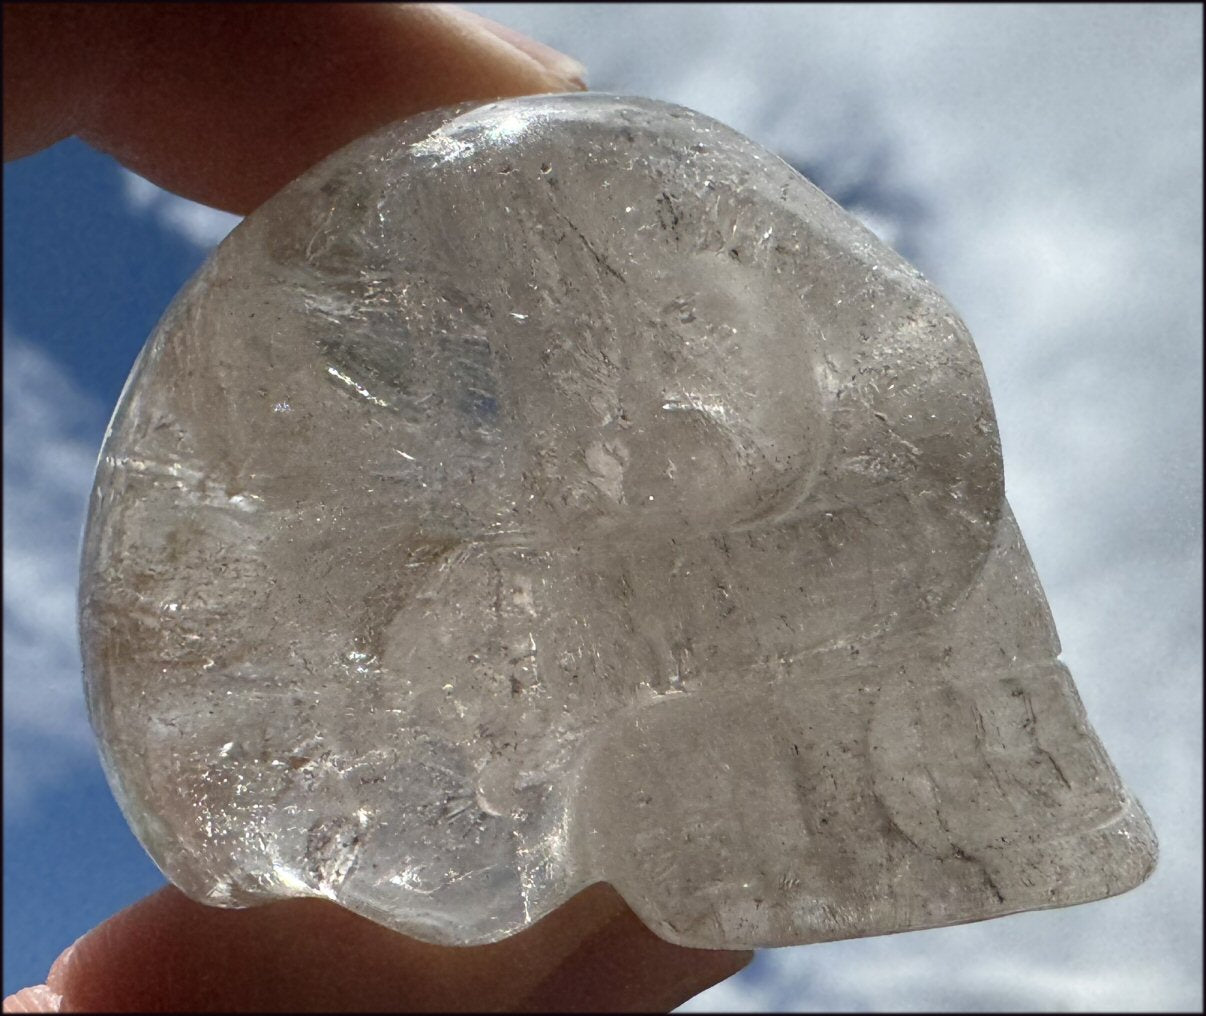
(553, 60)
(39, 998)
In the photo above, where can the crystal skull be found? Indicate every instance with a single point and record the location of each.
(564, 490)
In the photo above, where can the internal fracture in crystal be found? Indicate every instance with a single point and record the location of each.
(564, 490)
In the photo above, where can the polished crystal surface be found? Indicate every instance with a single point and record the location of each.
(564, 490)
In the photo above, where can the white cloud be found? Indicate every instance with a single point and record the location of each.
(50, 445)
(200, 225)
(927, 970)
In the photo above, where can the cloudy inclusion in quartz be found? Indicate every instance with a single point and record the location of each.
(564, 490)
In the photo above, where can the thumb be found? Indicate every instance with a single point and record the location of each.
(170, 954)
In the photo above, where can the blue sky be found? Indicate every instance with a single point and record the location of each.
(1042, 166)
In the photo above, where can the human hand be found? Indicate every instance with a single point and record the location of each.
(224, 104)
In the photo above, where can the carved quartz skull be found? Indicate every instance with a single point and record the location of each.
(564, 490)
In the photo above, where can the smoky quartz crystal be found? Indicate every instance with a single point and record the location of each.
(564, 490)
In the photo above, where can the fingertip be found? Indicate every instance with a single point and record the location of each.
(624, 967)
(225, 103)
(562, 66)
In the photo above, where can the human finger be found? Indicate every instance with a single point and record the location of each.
(170, 954)
(224, 103)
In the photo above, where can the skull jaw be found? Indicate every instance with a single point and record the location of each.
(948, 779)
